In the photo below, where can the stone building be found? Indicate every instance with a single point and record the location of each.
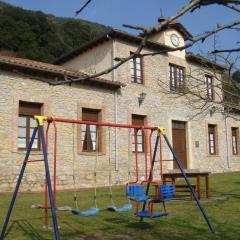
(130, 94)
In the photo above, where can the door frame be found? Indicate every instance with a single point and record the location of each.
(188, 137)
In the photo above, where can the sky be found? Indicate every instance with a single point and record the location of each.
(114, 13)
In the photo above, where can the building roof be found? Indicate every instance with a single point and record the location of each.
(38, 68)
(175, 25)
(113, 33)
(197, 58)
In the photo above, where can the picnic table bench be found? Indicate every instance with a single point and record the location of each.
(191, 173)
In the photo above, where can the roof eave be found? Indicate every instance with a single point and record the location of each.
(204, 61)
(108, 36)
(97, 81)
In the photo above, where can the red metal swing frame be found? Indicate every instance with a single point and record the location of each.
(102, 124)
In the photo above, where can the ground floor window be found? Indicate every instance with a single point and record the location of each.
(90, 133)
(138, 134)
(26, 124)
(212, 139)
(235, 141)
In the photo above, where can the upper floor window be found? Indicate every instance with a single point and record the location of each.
(136, 70)
(137, 134)
(235, 141)
(212, 131)
(26, 124)
(90, 133)
(176, 75)
(209, 86)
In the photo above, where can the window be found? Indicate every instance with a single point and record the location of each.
(176, 75)
(90, 133)
(209, 86)
(212, 139)
(136, 70)
(138, 120)
(235, 141)
(26, 124)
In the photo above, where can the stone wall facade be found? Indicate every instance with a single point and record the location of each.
(118, 106)
(60, 101)
(161, 109)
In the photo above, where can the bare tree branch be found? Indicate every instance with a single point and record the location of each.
(236, 28)
(165, 23)
(232, 7)
(226, 98)
(83, 7)
(211, 2)
(108, 70)
(134, 27)
(136, 53)
(227, 50)
(201, 38)
(192, 5)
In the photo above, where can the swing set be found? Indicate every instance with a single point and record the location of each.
(93, 210)
(137, 191)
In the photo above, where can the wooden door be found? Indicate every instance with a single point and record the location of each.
(179, 142)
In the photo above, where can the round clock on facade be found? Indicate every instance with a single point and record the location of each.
(175, 40)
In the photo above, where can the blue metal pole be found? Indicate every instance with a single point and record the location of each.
(50, 192)
(151, 172)
(189, 185)
(18, 184)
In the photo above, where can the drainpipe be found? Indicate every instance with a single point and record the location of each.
(115, 103)
(116, 132)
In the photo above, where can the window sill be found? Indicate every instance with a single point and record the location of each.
(138, 152)
(216, 155)
(235, 159)
(33, 151)
(92, 153)
(176, 91)
(137, 83)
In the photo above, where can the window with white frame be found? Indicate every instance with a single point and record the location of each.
(90, 133)
(235, 141)
(176, 77)
(209, 86)
(26, 124)
(136, 70)
(212, 133)
(137, 134)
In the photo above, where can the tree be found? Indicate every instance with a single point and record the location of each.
(42, 37)
(208, 90)
(236, 76)
(227, 95)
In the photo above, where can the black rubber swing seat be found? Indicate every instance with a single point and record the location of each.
(146, 214)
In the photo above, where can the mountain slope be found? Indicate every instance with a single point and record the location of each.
(42, 37)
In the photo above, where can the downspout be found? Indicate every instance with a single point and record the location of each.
(115, 103)
(116, 133)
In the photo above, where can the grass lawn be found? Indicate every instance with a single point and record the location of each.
(183, 222)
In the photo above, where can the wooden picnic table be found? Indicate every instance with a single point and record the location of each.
(193, 173)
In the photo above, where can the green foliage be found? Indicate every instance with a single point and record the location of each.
(42, 37)
(236, 76)
(231, 90)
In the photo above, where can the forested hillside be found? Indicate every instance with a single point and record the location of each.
(38, 36)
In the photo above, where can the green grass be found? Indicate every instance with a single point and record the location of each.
(183, 222)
